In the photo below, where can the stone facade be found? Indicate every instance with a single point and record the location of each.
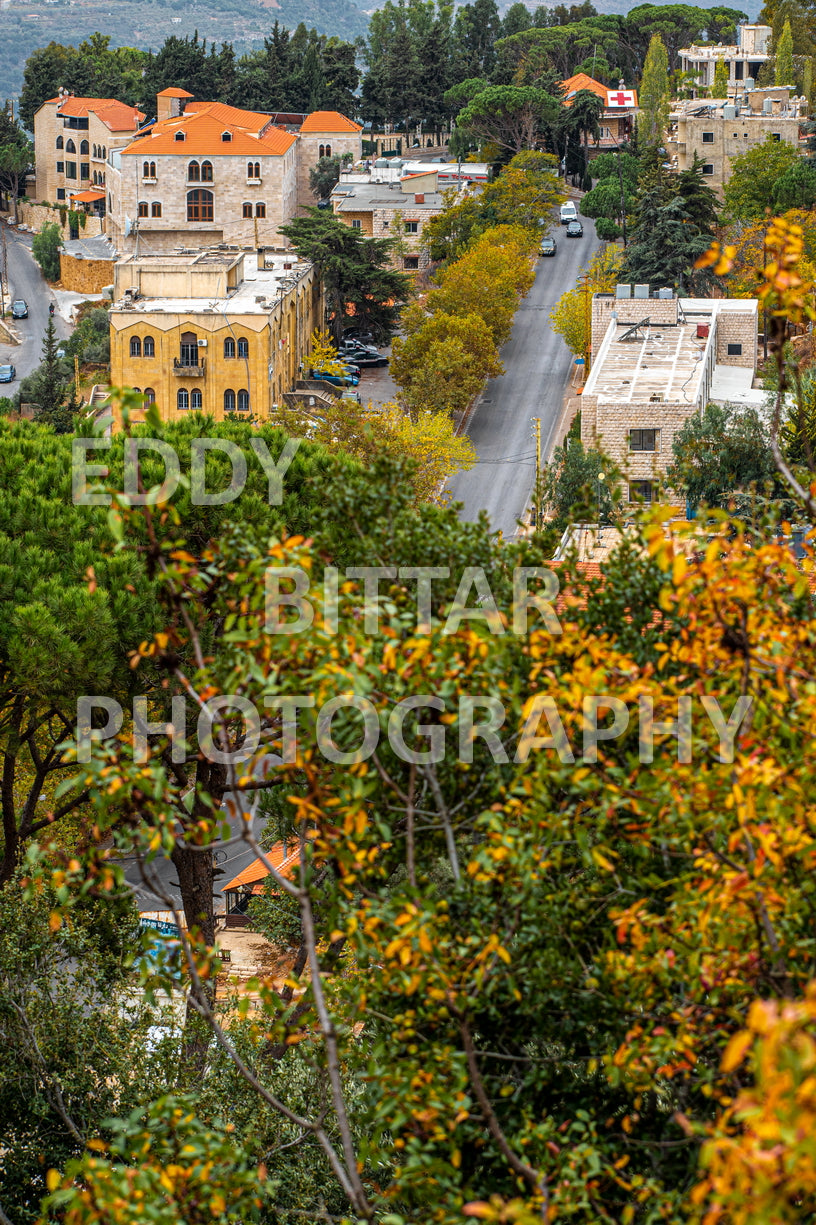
(221, 334)
(654, 363)
(35, 216)
(399, 211)
(73, 138)
(324, 134)
(85, 275)
(743, 61)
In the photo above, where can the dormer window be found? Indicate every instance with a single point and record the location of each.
(226, 135)
(179, 136)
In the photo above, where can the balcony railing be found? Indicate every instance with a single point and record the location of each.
(187, 369)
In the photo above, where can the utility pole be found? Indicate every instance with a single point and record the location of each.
(3, 271)
(537, 494)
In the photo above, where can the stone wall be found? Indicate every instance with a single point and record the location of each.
(85, 275)
(737, 327)
(661, 311)
(35, 216)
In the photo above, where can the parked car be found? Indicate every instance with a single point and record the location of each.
(363, 356)
(575, 230)
(350, 394)
(568, 213)
(548, 246)
(19, 309)
(364, 338)
(7, 373)
(337, 380)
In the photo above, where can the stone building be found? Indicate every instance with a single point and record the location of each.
(619, 114)
(217, 331)
(324, 134)
(73, 138)
(399, 210)
(743, 60)
(655, 362)
(718, 130)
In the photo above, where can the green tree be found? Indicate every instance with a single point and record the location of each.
(325, 176)
(749, 192)
(359, 285)
(665, 243)
(508, 116)
(719, 453)
(796, 188)
(720, 86)
(49, 390)
(571, 491)
(784, 72)
(45, 247)
(443, 360)
(654, 94)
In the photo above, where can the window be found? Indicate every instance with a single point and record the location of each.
(226, 136)
(85, 170)
(260, 210)
(411, 227)
(321, 152)
(206, 172)
(143, 208)
(149, 347)
(735, 350)
(708, 168)
(356, 223)
(642, 491)
(247, 209)
(179, 136)
(135, 347)
(182, 398)
(193, 173)
(328, 150)
(95, 151)
(229, 347)
(243, 401)
(104, 151)
(148, 170)
(411, 263)
(195, 398)
(136, 389)
(199, 205)
(243, 348)
(229, 401)
(84, 148)
(70, 170)
(643, 440)
(60, 167)
(189, 349)
(59, 142)
(155, 209)
(150, 395)
(253, 170)
(70, 147)
(60, 193)
(708, 138)
(776, 136)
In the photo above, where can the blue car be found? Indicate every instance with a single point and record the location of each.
(350, 379)
(7, 373)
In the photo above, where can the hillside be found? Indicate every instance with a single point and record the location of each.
(25, 24)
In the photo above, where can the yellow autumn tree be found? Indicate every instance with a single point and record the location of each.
(489, 279)
(323, 354)
(572, 315)
(443, 360)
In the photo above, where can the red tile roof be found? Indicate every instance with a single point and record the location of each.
(116, 115)
(329, 121)
(284, 861)
(174, 93)
(581, 81)
(203, 126)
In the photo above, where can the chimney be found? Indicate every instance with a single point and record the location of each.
(419, 199)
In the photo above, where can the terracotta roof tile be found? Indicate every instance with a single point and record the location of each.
(174, 93)
(582, 81)
(284, 862)
(202, 135)
(118, 117)
(329, 121)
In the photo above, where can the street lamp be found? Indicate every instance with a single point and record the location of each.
(601, 479)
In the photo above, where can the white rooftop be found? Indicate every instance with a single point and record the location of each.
(255, 294)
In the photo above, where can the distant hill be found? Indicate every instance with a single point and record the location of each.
(26, 24)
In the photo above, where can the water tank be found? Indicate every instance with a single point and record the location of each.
(749, 82)
(641, 291)
(623, 291)
(665, 292)
(729, 111)
(767, 106)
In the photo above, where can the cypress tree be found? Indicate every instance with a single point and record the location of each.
(654, 93)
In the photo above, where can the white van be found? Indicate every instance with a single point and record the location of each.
(568, 213)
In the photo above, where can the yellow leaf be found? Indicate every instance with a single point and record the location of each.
(735, 1052)
(52, 1180)
(55, 921)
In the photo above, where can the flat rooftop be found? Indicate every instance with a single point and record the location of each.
(255, 294)
(351, 197)
(655, 361)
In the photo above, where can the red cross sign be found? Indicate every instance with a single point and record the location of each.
(622, 98)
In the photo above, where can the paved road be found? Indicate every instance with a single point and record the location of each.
(26, 281)
(537, 366)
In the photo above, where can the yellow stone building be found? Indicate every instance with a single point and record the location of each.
(216, 331)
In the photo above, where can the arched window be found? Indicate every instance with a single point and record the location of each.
(188, 349)
(150, 395)
(193, 172)
(182, 398)
(229, 401)
(136, 389)
(243, 348)
(84, 148)
(247, 209)
(155, 209)
(260, 209)
(145, 170)
(60, 142)
(104, 151)
(328, 150)
(199, 205)
(135, 347)
(226, 136)
(253, 170)
(243, 401)
(321, 152)
(179, 136)
(70, 147)
(143, 208)
(206, 172)
(149, 347)
(195, 398)
(94, 151)
(229, 347)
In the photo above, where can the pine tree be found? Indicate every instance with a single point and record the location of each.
(720, 87)
(654, 93)
(49, 391)
(784, 73)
